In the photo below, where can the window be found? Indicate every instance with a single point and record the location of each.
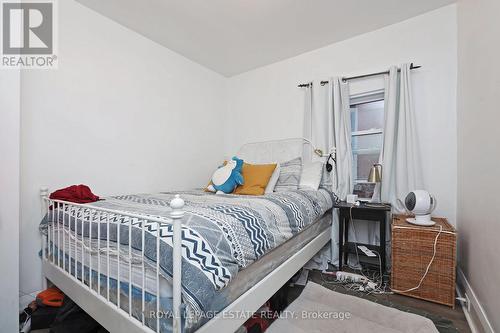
(367, 123)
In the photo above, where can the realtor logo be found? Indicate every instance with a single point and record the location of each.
(28, 34)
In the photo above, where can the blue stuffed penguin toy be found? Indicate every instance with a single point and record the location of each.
(226, 178)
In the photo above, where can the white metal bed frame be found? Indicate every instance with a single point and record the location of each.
(110, 315)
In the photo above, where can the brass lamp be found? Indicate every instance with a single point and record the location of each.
(375, 176)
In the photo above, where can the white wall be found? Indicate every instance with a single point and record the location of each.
(266, 104)
(121, 114)
(478, 155)
(9, 198)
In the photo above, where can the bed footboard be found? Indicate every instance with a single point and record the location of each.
(68, 224)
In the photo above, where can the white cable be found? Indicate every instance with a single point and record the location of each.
(379, 285)
(381, 276)
(355, 245)
(428, 266)
(380, 279)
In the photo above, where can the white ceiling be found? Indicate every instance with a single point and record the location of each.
(234, 36)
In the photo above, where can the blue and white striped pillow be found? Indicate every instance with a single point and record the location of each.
(289, 175)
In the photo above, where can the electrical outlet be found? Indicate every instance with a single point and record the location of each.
(467, 300)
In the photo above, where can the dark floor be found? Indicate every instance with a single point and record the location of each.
(446, 319)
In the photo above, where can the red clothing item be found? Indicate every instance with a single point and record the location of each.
(50, 297)
(75, 193)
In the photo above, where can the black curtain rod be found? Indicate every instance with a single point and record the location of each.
(304, 85)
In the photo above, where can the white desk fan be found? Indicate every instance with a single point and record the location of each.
(422, 204)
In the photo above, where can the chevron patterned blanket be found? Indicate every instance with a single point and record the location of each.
(221, 234)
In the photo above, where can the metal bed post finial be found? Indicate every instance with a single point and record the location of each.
(177, 213)
(177, 204)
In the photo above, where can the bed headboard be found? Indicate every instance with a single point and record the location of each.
(281, 151)
(273, 151)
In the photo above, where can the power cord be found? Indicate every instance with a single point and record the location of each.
(428, 266)
(381, 278)
(365, 284)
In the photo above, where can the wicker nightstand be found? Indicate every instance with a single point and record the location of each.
(412, 250)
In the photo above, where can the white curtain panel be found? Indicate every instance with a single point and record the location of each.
(337, 112)
(341, 109)
(401, 170)
(315, 128)
(308, 122)
(324, 104)
(322, 120)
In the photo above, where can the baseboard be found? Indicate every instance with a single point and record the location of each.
(476, 317)
(468, 317)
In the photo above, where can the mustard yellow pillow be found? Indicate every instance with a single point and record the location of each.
(256, 177)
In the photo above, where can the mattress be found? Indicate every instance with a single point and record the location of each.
(288, 220)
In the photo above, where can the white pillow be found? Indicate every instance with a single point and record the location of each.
(273, 180)
(310, 176)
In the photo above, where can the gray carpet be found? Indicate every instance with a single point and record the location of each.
(446, 319)
(319, 309)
